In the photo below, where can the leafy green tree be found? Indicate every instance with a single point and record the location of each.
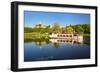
(63, 30)
(69, 29)
(48, 29)
(79, 29)
(86, 28)
(56, 28)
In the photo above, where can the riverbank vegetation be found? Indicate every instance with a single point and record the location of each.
(37, 32)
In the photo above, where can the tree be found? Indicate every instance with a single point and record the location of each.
(69, 29)
(56, 28)
(47, 29)
(86, 28)
(79, 29)
(63, 30)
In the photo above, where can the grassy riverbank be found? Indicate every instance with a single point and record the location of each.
(35, 36)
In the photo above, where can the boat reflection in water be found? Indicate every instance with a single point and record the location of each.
(54, 48)
(67, 41)
(66, 38)
(56, 42)
(57, 39)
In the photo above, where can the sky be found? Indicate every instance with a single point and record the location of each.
(31, 18)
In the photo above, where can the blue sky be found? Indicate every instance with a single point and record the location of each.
(32, 18)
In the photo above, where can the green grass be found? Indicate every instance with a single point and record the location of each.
(35, 36)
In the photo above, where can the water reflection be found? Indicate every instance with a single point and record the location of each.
(56, 42)
(55, 49)
(67, 41)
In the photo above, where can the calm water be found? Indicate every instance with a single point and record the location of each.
(43, 51)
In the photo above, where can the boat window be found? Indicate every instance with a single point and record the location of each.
(70, 35)
(63, 35)
(60, 40)
(63, 40)
(75, 34)
(66, 35)
(60, 35)
(67, 41)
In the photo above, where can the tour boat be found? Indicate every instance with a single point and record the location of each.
(65, 37)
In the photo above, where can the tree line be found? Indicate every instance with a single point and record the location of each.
(56, 28)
